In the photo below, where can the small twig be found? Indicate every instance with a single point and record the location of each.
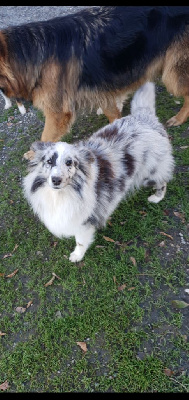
(166, 234)
(175, 380)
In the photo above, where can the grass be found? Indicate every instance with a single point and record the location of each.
(118, 300)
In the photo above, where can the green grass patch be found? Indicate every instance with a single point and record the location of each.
(118, 300)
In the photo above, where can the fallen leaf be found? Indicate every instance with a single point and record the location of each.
(7, 255)
(118, 243)
(4, 386)
(83, 346)
(165, 234)
(168, 372)
(15, 247)
(54, 244)
(2, 334)
(133, 261)
(50, 282)
(122, 287)
(108, 239)
(20, 310)
(144, 213)
(2, 274)
(184, 147)
(126, 244)
(147, 255)
(131, 288)
(179, 304)
(10, 254)
(13, 274)
(179, 215)
(29, 303)
(114, 279)
(166, 212)
(56, 276)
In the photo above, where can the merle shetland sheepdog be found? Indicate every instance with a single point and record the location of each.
(74, 188)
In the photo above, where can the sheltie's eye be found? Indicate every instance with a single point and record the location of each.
(69, 162)
(50, 161)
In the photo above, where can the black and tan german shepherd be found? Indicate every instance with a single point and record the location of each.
(94, 56)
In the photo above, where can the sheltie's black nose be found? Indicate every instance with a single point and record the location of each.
(56, 180)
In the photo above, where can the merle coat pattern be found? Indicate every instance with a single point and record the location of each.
(74, 188)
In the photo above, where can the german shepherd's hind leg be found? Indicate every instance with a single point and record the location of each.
(182, 115)
(112, 111)
(159, 194)
(175, 75)
(120, 100)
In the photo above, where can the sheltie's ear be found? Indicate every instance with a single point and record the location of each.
(40, 146)
(37, 151)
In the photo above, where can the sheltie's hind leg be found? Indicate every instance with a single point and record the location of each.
(159, 194)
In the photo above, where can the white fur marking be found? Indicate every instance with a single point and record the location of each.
(8, 102)
(21, 108)
(154, 199)
(159, 195)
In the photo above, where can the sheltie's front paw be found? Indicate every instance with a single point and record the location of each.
(75, 257)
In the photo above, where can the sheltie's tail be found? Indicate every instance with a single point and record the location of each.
(144, 98)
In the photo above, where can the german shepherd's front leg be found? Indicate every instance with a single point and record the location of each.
(56, 125)
(111, 112)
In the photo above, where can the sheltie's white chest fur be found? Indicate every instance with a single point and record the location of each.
(56, 211)
(61, 211)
